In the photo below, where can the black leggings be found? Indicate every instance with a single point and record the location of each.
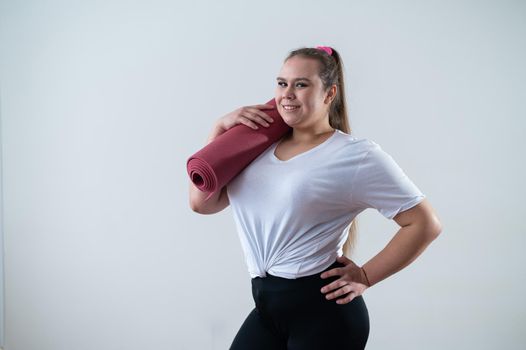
(294, 314)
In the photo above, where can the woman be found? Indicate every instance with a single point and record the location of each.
(293, 203)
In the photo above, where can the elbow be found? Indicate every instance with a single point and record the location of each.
(439, 229)
(433, 228)
(200, 209)
(195, 208)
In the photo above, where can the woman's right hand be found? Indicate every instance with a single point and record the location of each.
(251, 116)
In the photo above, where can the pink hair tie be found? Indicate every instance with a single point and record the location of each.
(326, 49)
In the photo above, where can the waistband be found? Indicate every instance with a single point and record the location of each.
(271, 282)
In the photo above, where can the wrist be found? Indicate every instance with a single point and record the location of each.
(368, 284)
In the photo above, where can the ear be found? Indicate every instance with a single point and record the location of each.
(331, 94)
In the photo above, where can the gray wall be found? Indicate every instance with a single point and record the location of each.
(103, 101)
(2, 253)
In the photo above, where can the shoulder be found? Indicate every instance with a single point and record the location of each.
(353, 138)
(354, 144)
(367, 154)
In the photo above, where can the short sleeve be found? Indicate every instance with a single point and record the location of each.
(380, 183)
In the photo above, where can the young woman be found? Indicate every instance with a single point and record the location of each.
(292, 206)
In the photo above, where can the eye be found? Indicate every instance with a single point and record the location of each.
(298, 84)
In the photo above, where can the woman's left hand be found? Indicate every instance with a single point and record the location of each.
(352, 283)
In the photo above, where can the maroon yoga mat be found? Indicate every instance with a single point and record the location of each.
(227, 155)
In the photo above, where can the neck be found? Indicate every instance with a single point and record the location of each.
(312, 134)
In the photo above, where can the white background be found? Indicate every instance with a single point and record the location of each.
(102, 102)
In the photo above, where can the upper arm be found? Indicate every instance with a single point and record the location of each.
(421, 214)
(221, 203)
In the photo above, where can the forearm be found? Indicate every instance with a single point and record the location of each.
(216, 131)
(407, 244)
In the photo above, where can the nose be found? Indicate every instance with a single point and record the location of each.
(288, 93)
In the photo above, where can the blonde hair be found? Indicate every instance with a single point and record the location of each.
(331, 72)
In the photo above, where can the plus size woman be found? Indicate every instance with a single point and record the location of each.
(294, 207)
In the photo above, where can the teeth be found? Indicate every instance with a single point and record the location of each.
(290, 107)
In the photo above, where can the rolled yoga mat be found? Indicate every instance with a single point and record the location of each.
(227, 155)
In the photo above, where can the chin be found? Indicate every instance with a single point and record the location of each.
(291, 123)
(289, 119)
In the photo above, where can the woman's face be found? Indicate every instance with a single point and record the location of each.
(299, 85)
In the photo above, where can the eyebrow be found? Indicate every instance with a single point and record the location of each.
(280, 78)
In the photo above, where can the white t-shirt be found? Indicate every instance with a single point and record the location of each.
(291, 215)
